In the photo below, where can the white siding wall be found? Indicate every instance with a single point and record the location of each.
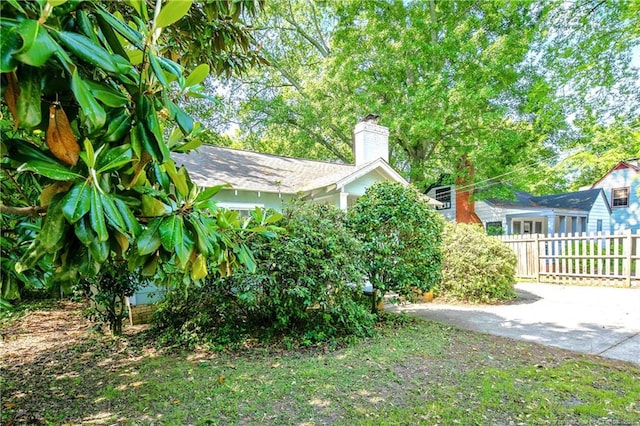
(360, 185)
(490, 213)
(233, 199)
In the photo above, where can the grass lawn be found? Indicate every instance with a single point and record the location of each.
(55, 370)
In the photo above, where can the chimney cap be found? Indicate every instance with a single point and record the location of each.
(372, 118)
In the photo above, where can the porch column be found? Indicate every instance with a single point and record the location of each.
(344, 198)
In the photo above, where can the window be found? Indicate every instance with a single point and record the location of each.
(537, 227)
(599, 225)
(494, 228)
(620, 197)
(516, 228)
(444, 196)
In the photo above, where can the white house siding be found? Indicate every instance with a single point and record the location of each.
(599, 211)
(360, 185)
(247, 200)
(490, 213)
(623, 217)
(450, 212)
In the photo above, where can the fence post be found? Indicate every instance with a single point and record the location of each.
(627, 250)
(536, 256)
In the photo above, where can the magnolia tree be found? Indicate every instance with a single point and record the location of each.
(93, 119)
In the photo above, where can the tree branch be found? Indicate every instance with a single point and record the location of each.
(22, 211)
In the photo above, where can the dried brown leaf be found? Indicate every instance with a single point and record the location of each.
(60, 138)
(11, 97)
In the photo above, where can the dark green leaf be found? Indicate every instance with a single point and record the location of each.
(29, 110)
(131, 223)
(10, 42)
(87, 50)
(146, 141)
(52, 232)
(182, 118)
(83, 231)
(99, 250)
(170, 66)
(157, 70)
(112, 213)
(77, 202)
(96, 216)
(115, 158)
(90, 107)
(170, 231)
(149, 240)
(110, 37)
(41, 50)
(50, 169)
(107, 95)
(133, 36)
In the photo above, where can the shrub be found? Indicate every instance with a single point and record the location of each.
(475, 266)
(108, 291)
(401, 236)
(308, 284)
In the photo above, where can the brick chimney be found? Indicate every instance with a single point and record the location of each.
(370, 141)
(465, 207)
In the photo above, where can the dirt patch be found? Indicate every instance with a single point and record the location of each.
(54, 346)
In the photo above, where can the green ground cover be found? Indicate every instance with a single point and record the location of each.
(410, 372)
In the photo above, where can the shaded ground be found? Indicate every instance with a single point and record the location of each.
(57, 370)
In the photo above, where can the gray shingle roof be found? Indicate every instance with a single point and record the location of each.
(578, 200)
(212, 165)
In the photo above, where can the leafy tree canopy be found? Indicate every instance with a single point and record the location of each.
(93, 119)
(504, 85)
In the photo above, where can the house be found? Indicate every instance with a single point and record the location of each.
(570, 212)
(621, 187)
(270, 181)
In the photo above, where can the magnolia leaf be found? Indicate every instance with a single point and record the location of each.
(90, 107)
(28, 103)
(38, 46)
(52, 231)
(49, 169)
(170, 231)
(199, 268)
(77, 202)
(9, 43)
(60, 138)
(96, 216)
(172, 12)
(149, 240)
(152, 207)
(197, 75)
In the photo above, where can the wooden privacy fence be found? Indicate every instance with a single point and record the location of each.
(595, 259)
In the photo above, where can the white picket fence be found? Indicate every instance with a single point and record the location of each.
(592, 259)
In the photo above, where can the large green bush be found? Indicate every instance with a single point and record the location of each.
(476, 267)
(401, 235)
(308, 285)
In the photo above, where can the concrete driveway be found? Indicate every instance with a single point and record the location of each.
(595, 320)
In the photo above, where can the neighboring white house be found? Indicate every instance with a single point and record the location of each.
(570, 212)
(621, 186)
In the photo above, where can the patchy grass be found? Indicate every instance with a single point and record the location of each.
(410, 372)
